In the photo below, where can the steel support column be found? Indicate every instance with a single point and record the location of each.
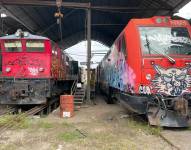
(88, 54)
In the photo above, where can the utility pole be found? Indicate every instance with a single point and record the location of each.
(88, 53)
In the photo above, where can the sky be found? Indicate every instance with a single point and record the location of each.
(185, 11)
(78, 52)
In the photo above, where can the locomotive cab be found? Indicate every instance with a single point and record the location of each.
(148, 68)
(166, 64)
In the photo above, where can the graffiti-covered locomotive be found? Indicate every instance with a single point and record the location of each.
(33, 69)
(148, 68)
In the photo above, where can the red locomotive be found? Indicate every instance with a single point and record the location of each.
(148, 68)
(32, 69)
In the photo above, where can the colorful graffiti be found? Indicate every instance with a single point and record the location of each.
(144, 90)
(172, 81)
(117, 73)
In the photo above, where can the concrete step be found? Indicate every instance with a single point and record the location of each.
(80, 90)
(78, 102)
(80, 93)
(78, 99)
(79, 96)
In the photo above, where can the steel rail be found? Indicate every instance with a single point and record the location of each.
(7, 111)
(169, 142)
(30, 112)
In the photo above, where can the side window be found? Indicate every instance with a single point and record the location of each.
(67, 60)
(54, 52)
(123, 46)
(57, 52)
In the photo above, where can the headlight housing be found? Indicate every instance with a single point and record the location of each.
(8, 69)
(148, 77)
(41, 69)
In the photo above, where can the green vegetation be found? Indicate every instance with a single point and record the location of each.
(15, 121)
(45, 125)
(69, 136)
(8, 147)
(143, 126)
(65, 124)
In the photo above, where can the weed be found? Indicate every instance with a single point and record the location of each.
(8, 147)
(69, 136)
(65, 124)
(15, 121)
(45, 125)
(143, 126)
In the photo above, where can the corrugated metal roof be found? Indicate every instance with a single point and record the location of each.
(106, 23)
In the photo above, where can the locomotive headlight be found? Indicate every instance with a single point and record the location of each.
(8, 69)
(158, 20)
(148, 76)
(41, 69)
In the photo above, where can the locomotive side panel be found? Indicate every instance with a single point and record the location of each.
(112, 70)
(120, 68)
(55, 61)
(133, 61)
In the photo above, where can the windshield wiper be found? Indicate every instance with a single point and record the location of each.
(158, 52)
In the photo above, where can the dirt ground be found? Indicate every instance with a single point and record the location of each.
(179, 137)
(97, 127)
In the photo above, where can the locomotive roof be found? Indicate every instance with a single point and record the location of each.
(109, 17)
(30, 36)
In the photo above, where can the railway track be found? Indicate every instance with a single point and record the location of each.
(35, 110)
(169, 142)
(8, 110)
(31, 112)
(163, 137)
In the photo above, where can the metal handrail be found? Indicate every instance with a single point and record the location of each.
(74, 85)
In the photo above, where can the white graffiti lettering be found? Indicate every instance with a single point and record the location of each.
(33, 70)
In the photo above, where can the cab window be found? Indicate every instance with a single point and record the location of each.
(165, 40)
(35, 46)
(13, 46)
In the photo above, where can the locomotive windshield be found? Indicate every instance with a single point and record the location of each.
(13, 46)
(166, 40)
(35, 45)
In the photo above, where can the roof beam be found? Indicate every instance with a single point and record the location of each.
(125, 8)
(44, 3)
(73, 5)
(163, 3)
(31, 18)
(12, 15)
(179, 5)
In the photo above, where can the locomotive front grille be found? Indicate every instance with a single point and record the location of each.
(23, 91)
